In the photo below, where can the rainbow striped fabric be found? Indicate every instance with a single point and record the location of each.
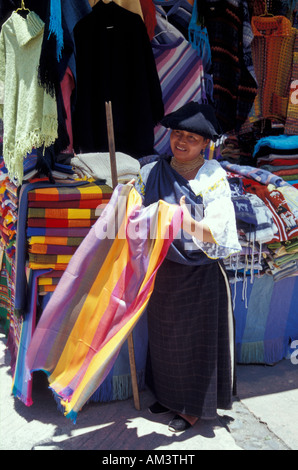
(101, 296)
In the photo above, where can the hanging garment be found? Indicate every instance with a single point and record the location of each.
(115, 63)
(234, 85)
(272, 50)
(131, 5)
(291, 124)
(120, 255)
(29, 113)
(149, 14)
(198, 37)
(177, 12)
(181, 76)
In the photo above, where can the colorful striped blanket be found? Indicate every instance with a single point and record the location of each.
(101, 296)
(75, 193)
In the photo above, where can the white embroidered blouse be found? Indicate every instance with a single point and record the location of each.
(212, 185)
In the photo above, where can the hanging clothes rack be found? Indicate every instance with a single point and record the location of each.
(22, 7)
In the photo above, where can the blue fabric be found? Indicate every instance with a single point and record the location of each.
(266, 328)
(73, 11)
(166, 184)
(277, 142)
(55, 26)
(199, 39)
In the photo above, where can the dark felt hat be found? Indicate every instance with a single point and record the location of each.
(194, 117)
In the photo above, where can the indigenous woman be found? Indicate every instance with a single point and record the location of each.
(190, 318)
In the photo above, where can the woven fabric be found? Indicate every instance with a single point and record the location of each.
(78, 359)
(85, 192)
(181, 76)
(291, 124)
(272, 47)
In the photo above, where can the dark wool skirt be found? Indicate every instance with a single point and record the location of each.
(191, 339)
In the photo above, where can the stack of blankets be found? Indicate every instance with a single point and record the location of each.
(266, 208)
(8, 227)
(279, 155)
(58, 220)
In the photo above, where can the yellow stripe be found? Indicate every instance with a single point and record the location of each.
(92, 310)
(101, 360)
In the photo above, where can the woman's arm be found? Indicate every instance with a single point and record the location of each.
(198, 229)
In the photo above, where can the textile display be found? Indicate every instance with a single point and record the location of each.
(234, 84)
(29, 113)
(78, 359)
(130, 82)
(181, 76)
(291, 124)
(43, 226)
(273, 45)
(269, 324)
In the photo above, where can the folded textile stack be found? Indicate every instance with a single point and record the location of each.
(98, 166)
(58, 220)
(266, 209)
(8, 216)
(284, 259)
(279, 155)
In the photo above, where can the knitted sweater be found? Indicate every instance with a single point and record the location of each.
(29, 113)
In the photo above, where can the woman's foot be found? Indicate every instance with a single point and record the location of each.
(178, 424)
(158, 409)
(182, 422)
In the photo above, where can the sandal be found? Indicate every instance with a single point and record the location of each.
(178, 424)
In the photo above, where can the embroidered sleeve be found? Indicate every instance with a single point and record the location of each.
(219, 215)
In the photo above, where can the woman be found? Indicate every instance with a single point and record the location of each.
(190, 320)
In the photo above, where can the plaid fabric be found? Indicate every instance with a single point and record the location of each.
(60, 223)
(40, 213)
(189, 340)
(84, 204)
(84, 192)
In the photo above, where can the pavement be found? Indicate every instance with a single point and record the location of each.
(263, 417)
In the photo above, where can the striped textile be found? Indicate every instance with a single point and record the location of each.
(78, 359)
(51, 213)
(76, 232)
(58, 208)
(84, 192)
(84, 204)
(60, 223)
(181, 76)
(65, 241)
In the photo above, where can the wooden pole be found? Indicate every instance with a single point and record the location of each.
(131, 352)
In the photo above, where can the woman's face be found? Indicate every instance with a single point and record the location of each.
(187, 146)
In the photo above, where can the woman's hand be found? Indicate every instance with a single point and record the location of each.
(188, 224)
(199, 230)
(132, 182)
